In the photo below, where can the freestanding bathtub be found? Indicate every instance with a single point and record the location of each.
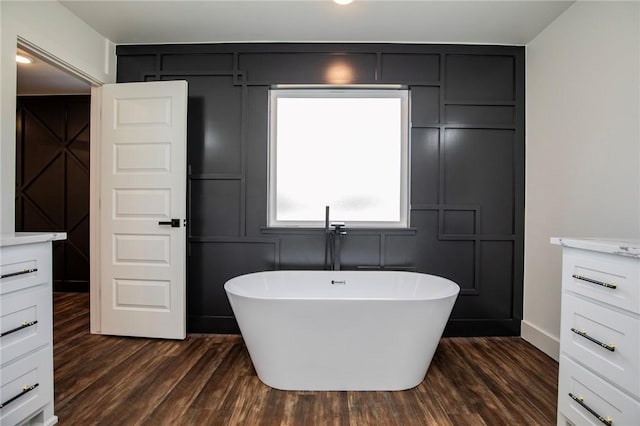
(341, 330)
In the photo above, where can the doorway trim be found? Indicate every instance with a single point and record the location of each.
(94, 171)
(48, 57)
(95, 145)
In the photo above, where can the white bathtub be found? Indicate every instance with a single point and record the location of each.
(377, 331)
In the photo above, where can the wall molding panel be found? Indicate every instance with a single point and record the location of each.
(467, 169)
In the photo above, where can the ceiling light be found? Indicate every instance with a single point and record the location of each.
(342, 2)
(23, 59)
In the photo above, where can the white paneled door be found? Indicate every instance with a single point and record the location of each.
(143, 209)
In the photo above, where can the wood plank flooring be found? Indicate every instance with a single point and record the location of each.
(209, 380)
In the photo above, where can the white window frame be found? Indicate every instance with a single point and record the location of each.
(402, 94)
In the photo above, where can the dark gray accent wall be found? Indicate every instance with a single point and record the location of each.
(467, 169)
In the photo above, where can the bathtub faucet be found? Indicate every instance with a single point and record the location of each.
(338, 232)
(333, 233)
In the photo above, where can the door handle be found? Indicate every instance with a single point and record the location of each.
(175, 223)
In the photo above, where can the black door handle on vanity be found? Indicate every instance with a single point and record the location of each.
(175, 223)
(580, 400)
(584, 334)
(22, 326)
(25, 390)
(612, 286)
(15, 274)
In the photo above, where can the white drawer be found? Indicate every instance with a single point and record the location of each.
(601, 397)
(618, 331)
(19, 376)
(24, 266)
(584, 272)
(25, 322)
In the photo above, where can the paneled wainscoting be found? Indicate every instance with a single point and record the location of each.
(466, 161)
(209, 380)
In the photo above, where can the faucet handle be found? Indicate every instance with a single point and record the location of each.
(339, 228)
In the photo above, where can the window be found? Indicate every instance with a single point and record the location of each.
(343, 148)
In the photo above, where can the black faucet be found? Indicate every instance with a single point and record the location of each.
(339, 230)
(333, 233)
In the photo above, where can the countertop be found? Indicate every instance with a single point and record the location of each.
(621, 247)
(17, 238)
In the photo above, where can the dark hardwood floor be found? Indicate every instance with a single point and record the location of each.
(209, 380)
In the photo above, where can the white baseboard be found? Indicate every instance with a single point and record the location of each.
(541, 339)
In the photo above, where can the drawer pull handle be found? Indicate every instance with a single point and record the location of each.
(612, 286)
(25, 390)
(580, 400)
(14, 274)
(584, 334)
(24, 325)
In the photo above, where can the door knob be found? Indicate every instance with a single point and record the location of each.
(175, 223)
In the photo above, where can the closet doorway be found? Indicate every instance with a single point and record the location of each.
(52, 164)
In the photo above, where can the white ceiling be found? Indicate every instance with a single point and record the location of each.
(414, 21)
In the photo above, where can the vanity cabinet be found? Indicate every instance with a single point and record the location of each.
(26, 329)
(599, 375)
